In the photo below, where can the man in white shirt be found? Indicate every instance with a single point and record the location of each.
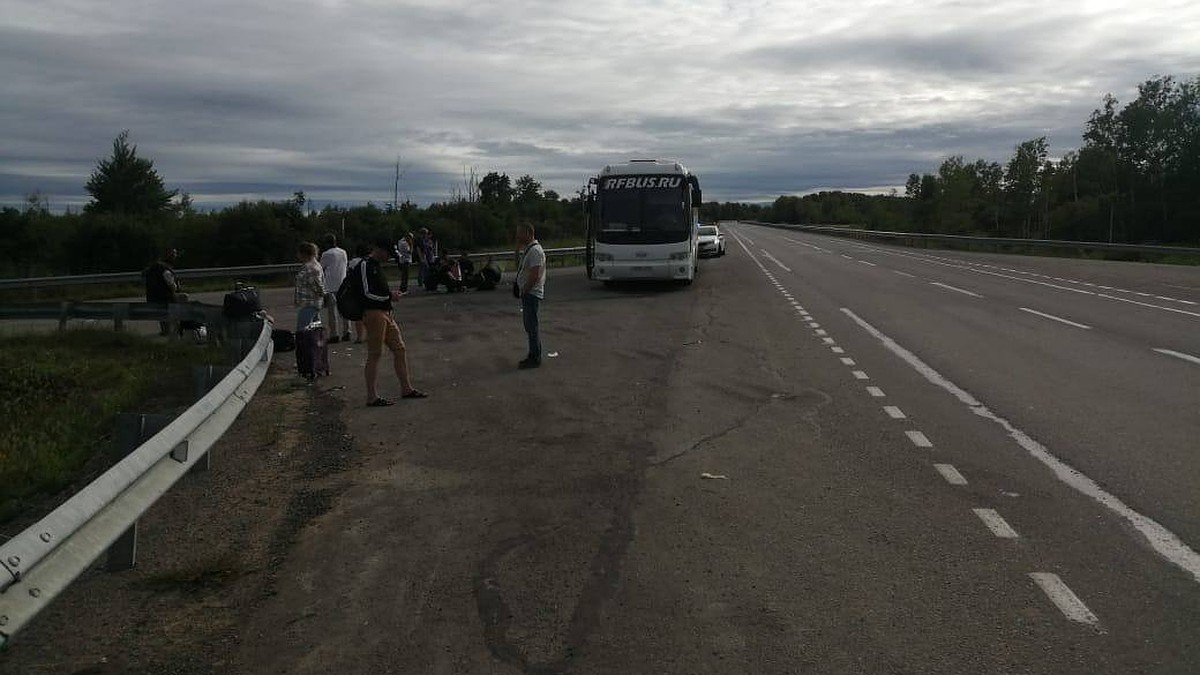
(531, 285)
(333, 264)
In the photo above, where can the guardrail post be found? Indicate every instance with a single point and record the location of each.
(242, 336)
(174, 315)
(132, 430)
(120, 314)
(64, 314)
(204, 378)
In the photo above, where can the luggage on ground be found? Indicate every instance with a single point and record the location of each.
(285, 340)
(312, 352)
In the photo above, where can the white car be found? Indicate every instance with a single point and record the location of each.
(710, 242)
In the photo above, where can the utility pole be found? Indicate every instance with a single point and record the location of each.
(396, 187)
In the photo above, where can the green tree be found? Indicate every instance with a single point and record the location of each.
(496, 189)
(127, 184)
(528, 190)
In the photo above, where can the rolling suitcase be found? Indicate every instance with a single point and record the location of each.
(312, 352)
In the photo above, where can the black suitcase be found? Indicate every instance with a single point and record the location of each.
(312, 353)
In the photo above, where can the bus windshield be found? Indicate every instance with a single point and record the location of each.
(648, 215)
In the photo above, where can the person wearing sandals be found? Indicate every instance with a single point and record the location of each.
(381, 326)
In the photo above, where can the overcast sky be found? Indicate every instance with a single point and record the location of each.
(248, 99)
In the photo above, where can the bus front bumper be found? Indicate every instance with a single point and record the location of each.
(642, 269)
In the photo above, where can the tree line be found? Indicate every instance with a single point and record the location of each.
(1135, 179)
(132, 218)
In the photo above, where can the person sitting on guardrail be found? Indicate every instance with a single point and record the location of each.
(310, 286)
(162, 285)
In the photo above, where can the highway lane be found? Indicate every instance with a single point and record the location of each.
(1095, 388)
(558, 520)
(1100, 398)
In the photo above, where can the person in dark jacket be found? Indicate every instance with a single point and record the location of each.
(381, 326)
(161, 284)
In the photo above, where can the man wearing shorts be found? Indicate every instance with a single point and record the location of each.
(381, 326)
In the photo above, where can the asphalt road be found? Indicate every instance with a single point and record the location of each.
(914, 475)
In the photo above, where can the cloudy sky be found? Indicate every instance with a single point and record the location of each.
(248, 99)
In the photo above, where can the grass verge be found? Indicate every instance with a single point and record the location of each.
(64, 391)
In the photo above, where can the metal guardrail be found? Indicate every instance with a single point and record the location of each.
(37, 564)
(993, 241)
(117, 312)
(219, 272)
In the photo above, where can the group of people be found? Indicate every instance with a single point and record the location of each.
(318, 280)
(321, 274)
(436, 268)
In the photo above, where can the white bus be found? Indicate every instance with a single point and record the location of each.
(641, 222)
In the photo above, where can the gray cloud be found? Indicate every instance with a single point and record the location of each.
(252, 99)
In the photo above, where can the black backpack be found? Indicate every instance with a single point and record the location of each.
(242, 302)
(350, 295)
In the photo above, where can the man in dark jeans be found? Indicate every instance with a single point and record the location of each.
(531, 284)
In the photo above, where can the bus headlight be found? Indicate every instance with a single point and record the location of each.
(604, 257)
(681, 255)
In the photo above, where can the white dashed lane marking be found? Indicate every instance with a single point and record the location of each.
(951, 474)
(875, 392)
(894, 412)
(956, 289)
(860, 375)
(847, 361)
(1179, 355)
(995, 523)
(918, 439)
(905, 274)
(1064, 598)
(1055, 318)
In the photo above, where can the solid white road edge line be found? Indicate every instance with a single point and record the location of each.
(1064, 598)
(1055, 318)
(1178, 355)
(951, 474)
(1160, 538)
(1147, 304)
(995, 523)
(775, 260)
(956, 289)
